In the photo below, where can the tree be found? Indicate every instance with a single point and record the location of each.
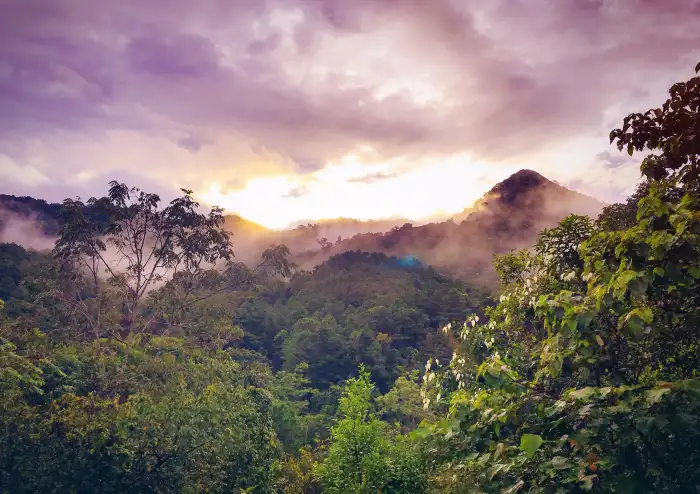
(132, 266)
(622, 216)
(163, 416)
(324, 243)
(364, 455)
(592, 389)
(562, 243)
(136, 245)
(403, 404)
(673, 130)
(321, 343)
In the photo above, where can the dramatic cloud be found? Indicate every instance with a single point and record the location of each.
(216, 94)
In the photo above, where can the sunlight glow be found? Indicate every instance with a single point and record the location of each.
(361, 191)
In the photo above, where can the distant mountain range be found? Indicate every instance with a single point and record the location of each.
(509, 216)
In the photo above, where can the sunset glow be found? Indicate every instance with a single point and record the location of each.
(338, 190)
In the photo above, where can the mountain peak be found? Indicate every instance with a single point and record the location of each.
(520, 182)
(527, 192)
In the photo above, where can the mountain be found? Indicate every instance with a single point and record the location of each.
(532, 197)
(509, 216)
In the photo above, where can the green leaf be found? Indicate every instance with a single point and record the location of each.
(583, 393)
(694, 271)
(422, 432)
(530, 443)
(697, 68)
(624, 278)
(585, 318)
(645, 314)
(570, 324)
(636, 318)
(654, 395)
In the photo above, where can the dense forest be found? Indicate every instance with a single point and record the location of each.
(140, 355)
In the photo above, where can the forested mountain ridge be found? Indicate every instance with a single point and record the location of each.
(355, 307)
(46, 214)
(508, 216)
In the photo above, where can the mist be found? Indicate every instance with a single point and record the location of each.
(25, 231)
(510, 216)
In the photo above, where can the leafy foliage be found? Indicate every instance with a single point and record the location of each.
(673, 130)
(108, 417)
(363, 456)
(356, 308)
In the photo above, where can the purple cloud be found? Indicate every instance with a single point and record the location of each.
(180, 56)
(310, 81)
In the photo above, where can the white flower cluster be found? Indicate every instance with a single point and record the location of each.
(427, 379)
(570, 276)
(457, 368)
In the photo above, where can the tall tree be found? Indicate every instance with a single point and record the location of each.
(127, 262)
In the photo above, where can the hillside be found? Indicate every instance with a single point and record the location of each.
(508, 216)
(332, 228)
(28, 221)
(356, 307)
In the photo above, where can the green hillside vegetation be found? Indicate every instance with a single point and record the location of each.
(141, 356)
(355, 308)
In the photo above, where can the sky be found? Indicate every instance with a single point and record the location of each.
(288, 110)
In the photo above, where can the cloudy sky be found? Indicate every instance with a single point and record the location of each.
(283, 110)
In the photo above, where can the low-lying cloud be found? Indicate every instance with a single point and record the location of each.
(24, 231)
